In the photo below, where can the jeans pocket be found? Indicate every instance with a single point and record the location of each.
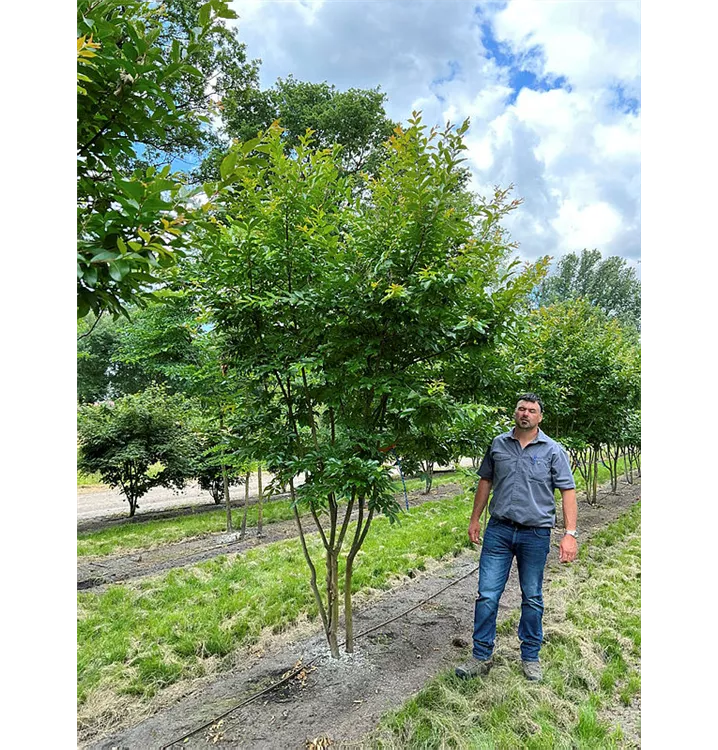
(542, 531)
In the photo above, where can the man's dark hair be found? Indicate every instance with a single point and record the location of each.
(533, 398)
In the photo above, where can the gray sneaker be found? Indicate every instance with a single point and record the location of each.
(473, 668)
(532, 670)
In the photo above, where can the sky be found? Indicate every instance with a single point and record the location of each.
(552, 90)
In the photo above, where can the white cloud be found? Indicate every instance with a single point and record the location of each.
(572, 152)
(590, 43)
(576, 221)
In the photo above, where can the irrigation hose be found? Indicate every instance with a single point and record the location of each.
(294, 672)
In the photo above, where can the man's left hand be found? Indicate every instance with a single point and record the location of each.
(568, 549)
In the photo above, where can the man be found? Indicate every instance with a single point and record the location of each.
(523, 466)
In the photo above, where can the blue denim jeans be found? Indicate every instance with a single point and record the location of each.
(530, 545)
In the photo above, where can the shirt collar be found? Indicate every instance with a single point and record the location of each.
(540, 436)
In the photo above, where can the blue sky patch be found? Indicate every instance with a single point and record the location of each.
(454, 70)
(624, 102)
(519, 69)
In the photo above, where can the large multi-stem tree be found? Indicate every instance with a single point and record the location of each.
(336, 301)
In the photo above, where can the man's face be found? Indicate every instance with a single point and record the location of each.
(527, 415)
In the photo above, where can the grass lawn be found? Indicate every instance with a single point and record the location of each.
(137, 639)
(591, 660)
(146, 534)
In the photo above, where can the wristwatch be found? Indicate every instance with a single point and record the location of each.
(573, 533)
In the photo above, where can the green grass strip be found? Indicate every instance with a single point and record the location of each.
(590, 658)
(137, 639)
(140, 535)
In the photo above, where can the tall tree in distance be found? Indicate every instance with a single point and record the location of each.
(354, 119)
(609, 284)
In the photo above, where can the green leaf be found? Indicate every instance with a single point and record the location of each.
(134, 189)
(103, 256)
(83, 308)
(90, 276)
(170, 70)
(168, 99)
(250, 145)
(129, 203)
(123, 266)
(226, 13)
(115, 273)
(204, 13)
(228, 163)
(193, 71)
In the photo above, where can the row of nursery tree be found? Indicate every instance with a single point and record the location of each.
(321, 296)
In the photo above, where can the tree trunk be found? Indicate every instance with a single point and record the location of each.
(133, 505)
(584, 463)
(333, 601)
(312, 569)
(634, 461)
(348, 616)
(612, 453)
(614, 475)
(359, 537)
(428, 467)
(246, 505)
(629, 479)
(259, 500)
(225, 481)
(594, 492)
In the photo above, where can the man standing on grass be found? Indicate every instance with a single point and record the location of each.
(523, 466)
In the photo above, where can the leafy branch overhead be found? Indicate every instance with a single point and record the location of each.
(143, 74)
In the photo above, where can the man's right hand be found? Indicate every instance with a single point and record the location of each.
(474, 531)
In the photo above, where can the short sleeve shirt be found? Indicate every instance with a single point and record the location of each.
(524, 480)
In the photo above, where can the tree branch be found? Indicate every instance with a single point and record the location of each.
(97, 320)
(313, 570)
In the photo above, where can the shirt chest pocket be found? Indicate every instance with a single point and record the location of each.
(539, 469)
(502, 459)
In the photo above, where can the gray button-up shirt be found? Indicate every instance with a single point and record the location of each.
(524, 479)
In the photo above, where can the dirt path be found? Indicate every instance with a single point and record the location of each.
(100, 506)
(103, 505)
(343, 699)
(93, 572)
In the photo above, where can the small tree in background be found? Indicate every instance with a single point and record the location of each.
(122, 440)
(424, 432)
